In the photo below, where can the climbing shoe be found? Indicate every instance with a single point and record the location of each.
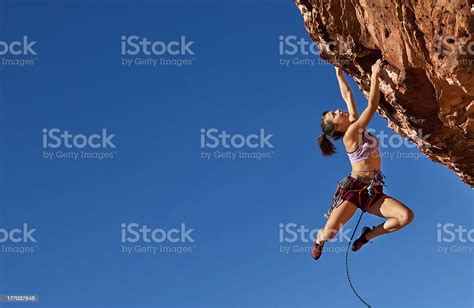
(317, 250)
(362, 240)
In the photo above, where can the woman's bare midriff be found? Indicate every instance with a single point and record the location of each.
(367, 166)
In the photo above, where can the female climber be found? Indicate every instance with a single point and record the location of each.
(363, 187)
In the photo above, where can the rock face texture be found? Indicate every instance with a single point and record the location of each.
(428, 83)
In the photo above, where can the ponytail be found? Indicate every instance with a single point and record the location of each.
(326, 146)
(329, 130)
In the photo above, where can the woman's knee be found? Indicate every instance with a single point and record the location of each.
(405, 216)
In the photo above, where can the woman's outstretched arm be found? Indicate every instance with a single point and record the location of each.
(373, 103)
(347, 94)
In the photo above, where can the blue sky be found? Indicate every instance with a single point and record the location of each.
(157, 177)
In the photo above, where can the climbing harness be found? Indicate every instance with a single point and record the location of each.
(344, 187)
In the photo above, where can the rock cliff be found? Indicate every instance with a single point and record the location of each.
(428, 85)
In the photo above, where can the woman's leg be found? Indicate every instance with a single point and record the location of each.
(339, 216)
(397, 213)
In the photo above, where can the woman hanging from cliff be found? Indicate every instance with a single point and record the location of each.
(363, 187)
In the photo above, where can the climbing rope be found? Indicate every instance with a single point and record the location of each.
(370, 190)
(347, 264)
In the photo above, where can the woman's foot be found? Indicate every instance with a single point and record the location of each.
(317, 250)
(362, 240)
